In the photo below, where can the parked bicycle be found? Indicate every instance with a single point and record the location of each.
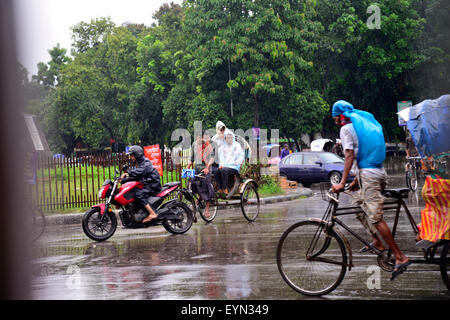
(313, 255)
(414, 173)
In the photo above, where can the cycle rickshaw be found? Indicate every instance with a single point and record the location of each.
(246, 195)
(313, 255)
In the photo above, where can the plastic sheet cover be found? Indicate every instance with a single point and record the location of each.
(429, 124)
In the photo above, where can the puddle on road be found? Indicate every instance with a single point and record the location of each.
(211, 261)
(227, 259)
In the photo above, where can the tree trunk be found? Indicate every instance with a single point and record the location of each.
(256, 112)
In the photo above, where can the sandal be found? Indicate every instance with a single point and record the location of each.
(370, 249)
(399, 269)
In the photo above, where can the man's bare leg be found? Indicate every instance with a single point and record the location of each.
(151, 214)
(377, 242)
(386, 234)
(207, 213)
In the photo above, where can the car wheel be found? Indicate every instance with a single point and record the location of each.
(335, 177)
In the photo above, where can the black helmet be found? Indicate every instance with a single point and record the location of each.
(136, 151)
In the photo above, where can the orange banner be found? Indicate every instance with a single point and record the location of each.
(435, 217)
(153, 153)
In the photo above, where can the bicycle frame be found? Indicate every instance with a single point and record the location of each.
(330, 219)
(329, 246)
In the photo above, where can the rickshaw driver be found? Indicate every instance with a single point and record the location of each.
(203, 154)
(371, 174)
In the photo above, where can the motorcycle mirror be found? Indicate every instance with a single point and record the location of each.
(124, 168)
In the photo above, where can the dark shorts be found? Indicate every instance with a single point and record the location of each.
(203, 187)
(142, 195)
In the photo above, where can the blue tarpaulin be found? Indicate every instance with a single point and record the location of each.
(429, 124)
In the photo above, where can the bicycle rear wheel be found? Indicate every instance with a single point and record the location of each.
(323, 270)
(445, 264)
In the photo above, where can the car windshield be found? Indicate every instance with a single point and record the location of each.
(328, 157)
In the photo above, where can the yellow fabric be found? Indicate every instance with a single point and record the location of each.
(435, 217)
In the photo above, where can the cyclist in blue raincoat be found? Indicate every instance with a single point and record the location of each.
(363, 140)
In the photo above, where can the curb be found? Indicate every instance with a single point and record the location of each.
(75, 218)
(304, 192)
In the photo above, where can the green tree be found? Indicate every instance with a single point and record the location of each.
(431, 79)
(86, 35)
(262, 51)
(371, 68)
(265, 63)
(161, 67)
(48, 73)
(91, 102)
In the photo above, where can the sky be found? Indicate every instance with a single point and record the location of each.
(41, 24)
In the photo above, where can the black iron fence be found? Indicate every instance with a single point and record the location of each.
(74, 182)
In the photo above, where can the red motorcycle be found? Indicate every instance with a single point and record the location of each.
(100, 222)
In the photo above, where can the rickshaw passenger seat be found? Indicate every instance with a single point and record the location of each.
(396, 193)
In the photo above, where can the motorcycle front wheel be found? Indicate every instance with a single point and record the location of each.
(183, 223)
(99, 227)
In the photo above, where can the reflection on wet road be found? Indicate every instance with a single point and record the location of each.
(227, 259)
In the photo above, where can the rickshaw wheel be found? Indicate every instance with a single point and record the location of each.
(445, 268)
(250, 202)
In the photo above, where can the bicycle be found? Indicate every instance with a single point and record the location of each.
(35, 221)
(313, 255)
(413, 172)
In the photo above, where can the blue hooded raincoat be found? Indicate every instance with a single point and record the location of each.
(371, 143)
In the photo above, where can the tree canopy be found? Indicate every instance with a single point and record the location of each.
(275, 64)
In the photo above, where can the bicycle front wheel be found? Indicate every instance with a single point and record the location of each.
(213, 207)
(411, 179)
(35, 223)
(250, 203)
(315, 273)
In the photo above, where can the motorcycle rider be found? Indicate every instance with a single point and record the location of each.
(145, 173)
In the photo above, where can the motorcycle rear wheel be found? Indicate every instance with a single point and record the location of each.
(99, 227)
(184, 223)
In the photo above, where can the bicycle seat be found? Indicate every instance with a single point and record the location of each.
(396, 193)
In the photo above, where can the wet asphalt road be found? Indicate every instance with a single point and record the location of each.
(227, 259)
